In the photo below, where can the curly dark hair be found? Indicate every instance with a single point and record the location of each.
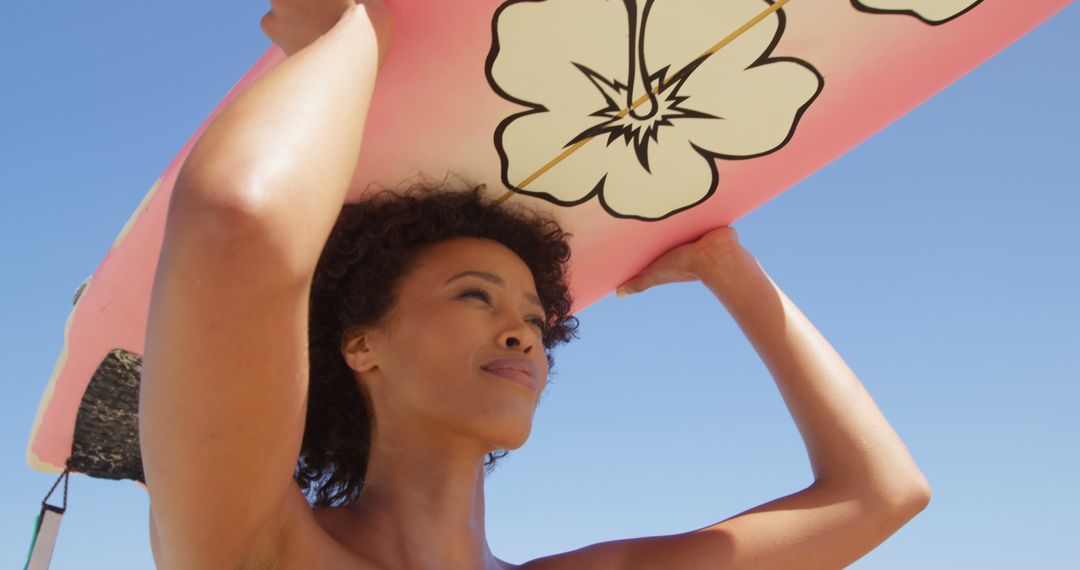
(373, 245)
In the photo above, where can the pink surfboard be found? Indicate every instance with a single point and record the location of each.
(640, 124)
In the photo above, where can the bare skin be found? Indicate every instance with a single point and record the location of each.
(438, 413)
(224, 389)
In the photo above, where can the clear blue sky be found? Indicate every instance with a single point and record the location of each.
(940, 259)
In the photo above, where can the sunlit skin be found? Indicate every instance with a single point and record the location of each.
(225, 371)
(437, 413)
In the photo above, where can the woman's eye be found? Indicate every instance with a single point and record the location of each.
(478, 293)
(483, 295)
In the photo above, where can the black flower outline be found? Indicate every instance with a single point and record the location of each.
(914, 13)
(709, 156)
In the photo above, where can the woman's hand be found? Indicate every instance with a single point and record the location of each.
(686, 262)
(295, 24)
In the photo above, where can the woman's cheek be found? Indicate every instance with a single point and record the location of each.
(454, 327)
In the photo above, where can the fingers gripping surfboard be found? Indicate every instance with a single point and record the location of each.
(640, 124)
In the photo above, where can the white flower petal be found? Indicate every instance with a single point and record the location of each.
(531, 141)
(679, 32)
(933, 11)
(757, 106)
(538, 43)
(680, 177)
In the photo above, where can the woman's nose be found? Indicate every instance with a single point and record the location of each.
(516, 335)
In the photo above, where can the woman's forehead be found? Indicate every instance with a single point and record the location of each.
(474, 257)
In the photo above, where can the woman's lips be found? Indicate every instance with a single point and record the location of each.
(523, 378)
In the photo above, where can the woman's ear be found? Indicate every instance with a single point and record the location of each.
(358, 353)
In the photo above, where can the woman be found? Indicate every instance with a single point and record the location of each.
(430, 318)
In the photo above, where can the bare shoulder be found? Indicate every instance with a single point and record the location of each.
(601, 556)
(816, 528)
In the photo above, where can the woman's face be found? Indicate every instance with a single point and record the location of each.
(466, 303)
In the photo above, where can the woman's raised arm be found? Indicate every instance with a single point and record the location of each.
(224, 385)
(283, 153)
(866, 483)
(850, 443)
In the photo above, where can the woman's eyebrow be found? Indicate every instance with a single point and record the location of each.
(492, 278)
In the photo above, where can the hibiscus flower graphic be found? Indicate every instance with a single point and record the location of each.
(932, 12)
(636, 76)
